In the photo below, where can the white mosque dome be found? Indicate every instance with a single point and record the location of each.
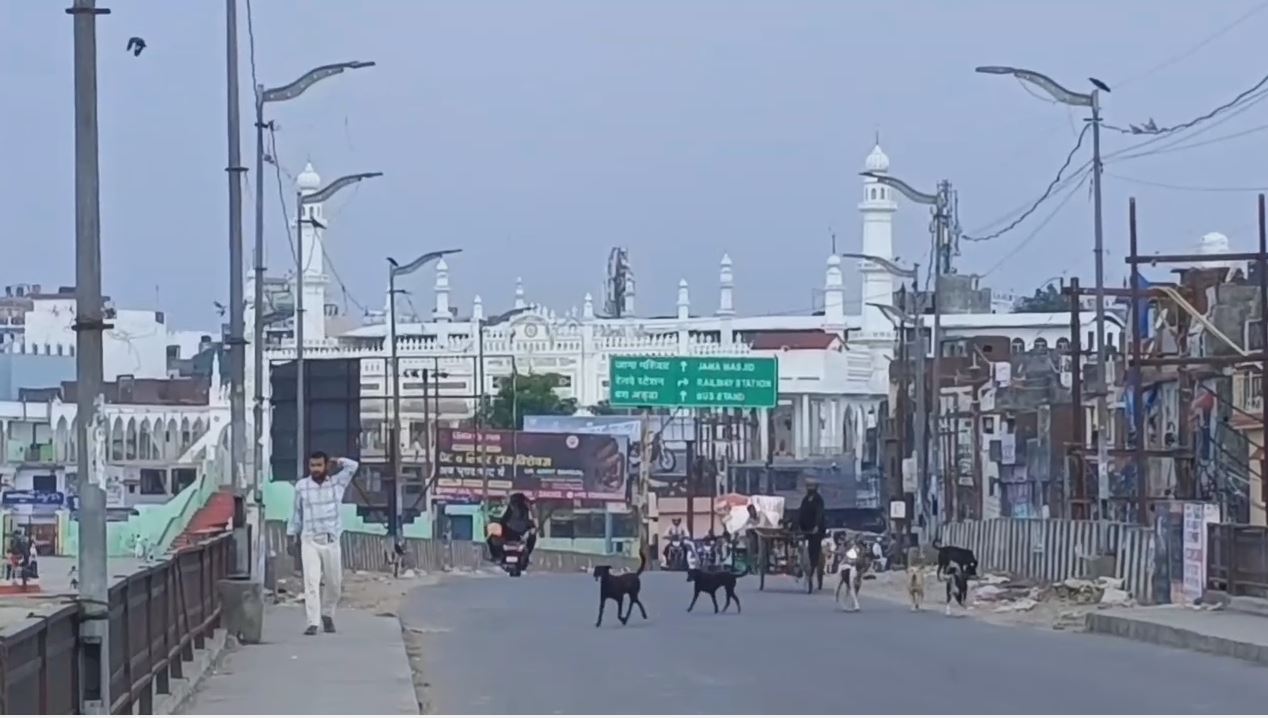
(308, 180)
(877, 160)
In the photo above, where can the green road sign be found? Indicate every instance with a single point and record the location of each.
(714, 382)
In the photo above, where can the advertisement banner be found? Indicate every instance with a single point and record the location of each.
(541, 465)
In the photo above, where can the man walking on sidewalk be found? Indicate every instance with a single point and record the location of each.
(316, 526)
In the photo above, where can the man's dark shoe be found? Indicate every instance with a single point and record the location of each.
(310, 631)
(327, 624)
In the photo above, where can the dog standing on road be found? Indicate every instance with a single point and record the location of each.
(957, 581)
(709, 582)
(916, 585)
(616, 588)
(855, 562)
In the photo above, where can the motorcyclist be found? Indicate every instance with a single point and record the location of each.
(676, 534)
(811, 520)
(516, 524)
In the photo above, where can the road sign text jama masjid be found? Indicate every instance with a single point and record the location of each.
(720, 382)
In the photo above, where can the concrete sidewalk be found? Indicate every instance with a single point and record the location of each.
(1225, 633)
(360, 670)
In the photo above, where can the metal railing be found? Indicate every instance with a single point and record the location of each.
(158, 617)
(1237, 559)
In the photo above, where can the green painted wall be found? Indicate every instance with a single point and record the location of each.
(158, 524)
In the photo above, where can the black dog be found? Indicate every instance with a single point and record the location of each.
(709, 582)
(617, 588)
(960, 556)
(957, 585)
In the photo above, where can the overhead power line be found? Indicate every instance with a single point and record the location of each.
(1150, 129)
(1052, 187)
(1185, 188)
(1081, 179)
(1194, 49)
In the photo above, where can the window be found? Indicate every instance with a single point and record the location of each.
(785, 481)
(1041, 344)
(153, 482)
(44, 483)
(1018, 346)
(1063, 345)
(182, 478)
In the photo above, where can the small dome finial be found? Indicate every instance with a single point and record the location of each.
(308, 180)
(877, 160)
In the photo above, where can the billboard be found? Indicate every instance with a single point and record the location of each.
(541, 465)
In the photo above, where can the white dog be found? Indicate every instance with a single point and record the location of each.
(854, 563)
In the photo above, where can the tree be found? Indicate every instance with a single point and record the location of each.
(523, 395)
(1046, 299)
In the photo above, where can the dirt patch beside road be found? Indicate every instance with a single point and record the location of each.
(996, 600)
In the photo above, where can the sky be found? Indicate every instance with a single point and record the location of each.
(537, 135)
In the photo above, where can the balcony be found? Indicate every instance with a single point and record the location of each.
(1248, 392)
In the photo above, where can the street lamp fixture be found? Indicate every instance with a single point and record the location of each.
(886, 264)
(907, 190)
(1091, 100)
(307, 80)
(1054, 89)
(392, 484)
(301, 200)
(263, 96)
(492, 321)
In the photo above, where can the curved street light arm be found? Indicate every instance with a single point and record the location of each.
(329, 190)
(506, 316)
(310, 78)
(399, 270)
(893, 313)
(888, 265)
(1055, 89)
(907, 190)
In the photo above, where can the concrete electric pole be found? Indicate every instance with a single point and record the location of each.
(235, 339)
(94, 626)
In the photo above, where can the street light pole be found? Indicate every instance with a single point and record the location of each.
(1102, 353)
(480, 325)
(393, 483)
(1092, 101)
(262, 97)
(94, 606)
(932, 406)
(301, 200)
(237, 306)
(301, 456)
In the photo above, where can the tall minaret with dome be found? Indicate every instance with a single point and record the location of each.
(314, 269)
(877, 285)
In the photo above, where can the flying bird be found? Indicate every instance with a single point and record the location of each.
(135, 46)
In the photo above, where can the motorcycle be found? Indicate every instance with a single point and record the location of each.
(676, 558)
(515, 555)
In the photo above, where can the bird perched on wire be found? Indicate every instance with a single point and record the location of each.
(135, 46)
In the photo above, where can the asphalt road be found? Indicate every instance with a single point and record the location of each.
(787, 653)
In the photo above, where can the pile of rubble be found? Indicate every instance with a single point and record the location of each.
(1105, 591)
(1010, 595)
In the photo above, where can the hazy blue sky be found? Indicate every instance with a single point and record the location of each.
(536, 135)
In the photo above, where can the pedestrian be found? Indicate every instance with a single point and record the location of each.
(316, 527)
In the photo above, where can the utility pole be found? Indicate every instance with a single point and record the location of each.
(1102, 356)
(94, 597)
(1092, 101)
(942, 255)
(236, 339)
(263, 96)
(940, 231)
(301, 456)
(392, 484)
